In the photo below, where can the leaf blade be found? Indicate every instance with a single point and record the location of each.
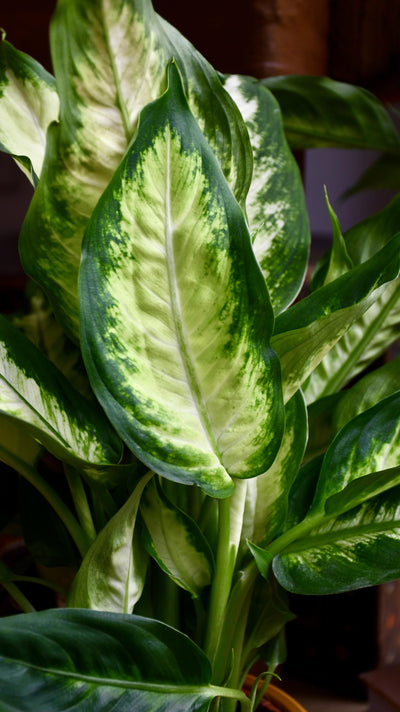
(28, 105)
(189, 325)
(77, 657)
(36, 397)
(275, 204)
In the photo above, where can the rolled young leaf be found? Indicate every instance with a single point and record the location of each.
(319, 112)
(35, 396)
(63, 659)
(175, 313)
(109, 62)
(275, 203)
(28, 104)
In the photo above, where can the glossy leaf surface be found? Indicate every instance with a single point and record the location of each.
(275, 203)
(351, 534)
(110, 61)
(84, 660)
(175, 312)
(319, 112)
(28, 104)
(37, 398)
(358, 548)
(369, 443)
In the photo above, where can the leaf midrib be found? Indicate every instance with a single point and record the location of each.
(157, 687)
(31, 408)
(184, 349)
(335, 535)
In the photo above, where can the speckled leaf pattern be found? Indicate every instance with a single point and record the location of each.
(275, 203)
(110, 59)
(35, 396)
(358, 548)
(354, 534)
(306, 332)
(369, 443)
(79, 659)
(175, 541)
(117, 549)
(175, 313)
(28, 104)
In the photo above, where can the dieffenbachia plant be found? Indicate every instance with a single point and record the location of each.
(211, 458)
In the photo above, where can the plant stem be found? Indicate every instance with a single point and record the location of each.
(221, 585)
(80, 501)
(18, 596)
(229, 531)
(70, 522)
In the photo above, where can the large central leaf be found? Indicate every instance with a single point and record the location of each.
(175, 313)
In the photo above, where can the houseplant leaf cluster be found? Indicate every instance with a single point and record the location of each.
(211, 446)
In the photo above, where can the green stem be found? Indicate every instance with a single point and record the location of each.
(72, 525)
(230, 523)
(18, 596)
(234, 627)
(170, 602)
(80, 501)
(221, 584)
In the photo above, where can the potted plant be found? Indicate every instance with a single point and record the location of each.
(211, 459)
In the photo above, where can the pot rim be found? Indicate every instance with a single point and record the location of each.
(278, 696)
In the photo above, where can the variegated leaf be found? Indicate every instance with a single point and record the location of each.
(358, 548)
(110, 59)
(175, 541)
(319, 112)
(35, 396)
(376, 329)
(351, 535)
(307, 331)
(267, 495)
(367, 444)
(16, 444)
(275, 203)
(28, 104)
(175, 312)
(113, 572)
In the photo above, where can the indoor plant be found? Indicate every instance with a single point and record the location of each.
(169, 234)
